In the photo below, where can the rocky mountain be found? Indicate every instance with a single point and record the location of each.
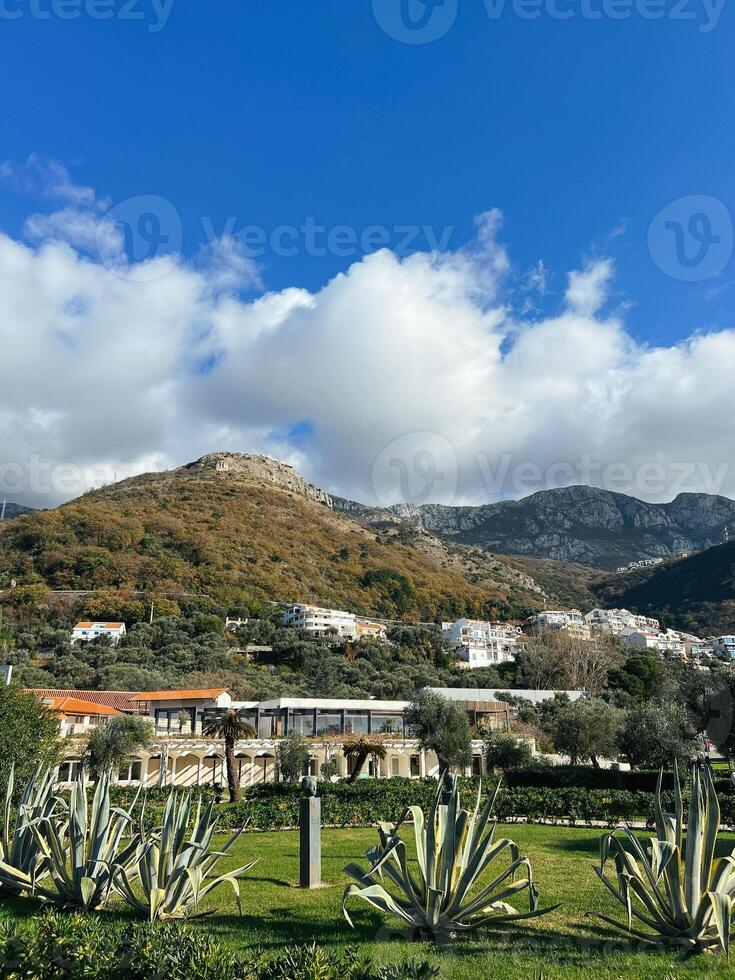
(580, 524)
(696, 594)
(232, 527)
(9, 510)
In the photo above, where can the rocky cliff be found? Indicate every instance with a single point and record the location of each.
(580, 524)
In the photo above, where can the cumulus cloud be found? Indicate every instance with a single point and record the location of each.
(401, 378)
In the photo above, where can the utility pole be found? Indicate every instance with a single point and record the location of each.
(2, 516)
(151, 619)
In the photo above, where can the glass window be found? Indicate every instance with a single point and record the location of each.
(415, 766)
(395, 766)
(329, 723)
(302, 722)
(388, 724)
(356, 723)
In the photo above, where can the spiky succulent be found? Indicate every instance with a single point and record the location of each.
(450, 893)
(673, 885)
(171, 871)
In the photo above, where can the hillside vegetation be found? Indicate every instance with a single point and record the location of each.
(695, 594)
(233, 536)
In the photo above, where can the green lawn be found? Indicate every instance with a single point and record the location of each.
(562, 944)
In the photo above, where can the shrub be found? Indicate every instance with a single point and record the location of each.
(82, 947)
(504, 751)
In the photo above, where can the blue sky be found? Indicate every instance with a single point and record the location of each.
(580, 131)
(270, 112)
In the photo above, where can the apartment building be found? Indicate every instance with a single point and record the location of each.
(557, 618)
(724, 645)
(85, 632)
(615, 620)
(481, 644)
(321, 622)
(669, 643)
(182, 754)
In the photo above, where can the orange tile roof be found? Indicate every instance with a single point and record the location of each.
(205, 693)
(75, 706)
(85, 625)
(121, 700)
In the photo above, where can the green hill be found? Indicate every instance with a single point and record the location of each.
(234, 527)
(695, 594)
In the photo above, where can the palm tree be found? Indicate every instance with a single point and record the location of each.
(358, 751)
(231, 729)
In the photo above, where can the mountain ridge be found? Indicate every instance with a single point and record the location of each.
(587, 525)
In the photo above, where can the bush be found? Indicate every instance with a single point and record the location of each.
(79, 947)
(275, 806)
(588, 777)
(504, 751)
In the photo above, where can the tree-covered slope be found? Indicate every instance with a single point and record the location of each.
(695, 593)
(254, 529)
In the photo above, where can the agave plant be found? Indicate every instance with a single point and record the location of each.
(675, 888)
(454, 849)
(22, 861)
(175, 868)
(83, 848)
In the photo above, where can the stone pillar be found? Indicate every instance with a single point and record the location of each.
(310, 841)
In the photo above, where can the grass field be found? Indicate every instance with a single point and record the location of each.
(563, 944)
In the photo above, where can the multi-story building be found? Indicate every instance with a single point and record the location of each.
(615, 620)
(667, 643)
(481, 644)
(321, 622)
(182, 754)
(557, 618)
(724, 645)
(368, 628)
(86, 631)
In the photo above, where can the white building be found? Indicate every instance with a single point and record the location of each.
(615, 620)
(481, 644)
(668, 643)
(84, 632)
(724, 644)
(182, 754)
(558, 618)
(321, 622)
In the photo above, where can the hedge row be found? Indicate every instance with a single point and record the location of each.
(276, 806)
(588, 777)
(87, 947)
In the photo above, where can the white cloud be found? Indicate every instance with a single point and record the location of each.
(102, 374)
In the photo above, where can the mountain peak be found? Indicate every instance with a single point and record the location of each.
(260, 469)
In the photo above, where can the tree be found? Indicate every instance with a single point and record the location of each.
(586, 729)
(443, 727)
(505, 751)
(110, 746)
(358, 751)
(293, 757)
(230, 728)
(657, 732)
(554, 659)
(29, 734)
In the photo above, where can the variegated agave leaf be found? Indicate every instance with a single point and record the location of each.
(22, 861)
(448, 892)
(174, 866)
(83, 849)
(673, 886)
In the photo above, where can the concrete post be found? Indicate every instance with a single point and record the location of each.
(310, 841)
